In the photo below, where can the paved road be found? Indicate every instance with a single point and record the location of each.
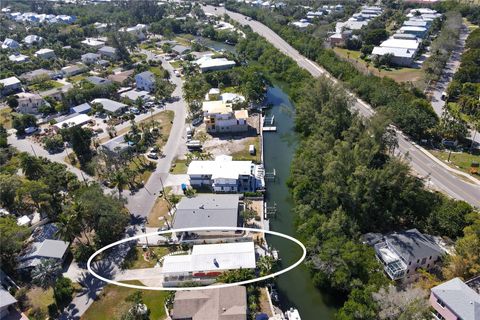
(437, 174)
(142, 202)
(447, 76)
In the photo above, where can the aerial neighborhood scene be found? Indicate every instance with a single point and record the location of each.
(239, 159)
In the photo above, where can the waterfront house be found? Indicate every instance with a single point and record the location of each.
(206, 262)
(403, 253)
(219, 117)
(29, 103)
(455, 300)
(45, 54)
(225, 175)
(212, 304)
(208, 210)
(145, 81)
(207, 63)
(11, 84)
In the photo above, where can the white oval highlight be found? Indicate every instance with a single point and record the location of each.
(224, 285)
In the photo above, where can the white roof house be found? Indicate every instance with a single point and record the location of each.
(32, 39)
(18, 58)
(400, 43)
(221, 167)
(397, 52)
(94, 43)
(207, 63)
(455, 300)
(45, 53)
(77, 120)
(110, 105)
(135, 94)
(10, 44)
(212, 257)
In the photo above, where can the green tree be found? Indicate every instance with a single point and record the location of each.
(46, 273)
(62, 292)
(11, 241)
(81, 140)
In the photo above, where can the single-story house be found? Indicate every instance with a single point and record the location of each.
(32, 40)
(116, 146)
(7, 302)
(455, 300)
(93, 43)
(400, 56)
(133, 95)
(98, 81)
(73, 121)
(18, 58)
(211, 304)
(73, 69)
(225, 175)
(39, 251)
(403, 253)
(11, 84)
(121, 77)
(45, 54)
(208, 261)
(179, 49)
(90, 58)
(108, 52)
(35, 74)
(208, 210)
(110, 106)
(83, 108)
(207, 63)
(10, 44)
(419, 32)
(145, 81)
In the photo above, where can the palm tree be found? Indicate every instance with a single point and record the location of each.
(45, 274)
(67, 224)
(119, 180)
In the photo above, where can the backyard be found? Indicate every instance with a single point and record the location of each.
(136, 260)
(414, 75)
(40, 298)
(112, 303)
(6, 118)
(45, 85)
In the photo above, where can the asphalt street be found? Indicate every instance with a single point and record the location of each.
(437, 175)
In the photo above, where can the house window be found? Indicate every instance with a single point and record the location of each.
(410, 263)
(441, 303)
(408, 271)
(424, 260)
(418, 260)
(430, 258)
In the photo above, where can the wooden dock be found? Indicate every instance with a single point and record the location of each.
(269, 129)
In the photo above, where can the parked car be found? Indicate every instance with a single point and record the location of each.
(197, 121)
(31, 130)
(152, 155)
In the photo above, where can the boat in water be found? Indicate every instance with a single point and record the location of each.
(292, 314)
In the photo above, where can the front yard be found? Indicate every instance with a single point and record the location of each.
(158, 213)
(112, 303)
(458, 160)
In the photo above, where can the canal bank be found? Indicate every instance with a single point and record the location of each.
(295, 288)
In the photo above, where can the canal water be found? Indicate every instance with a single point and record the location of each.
(295, 287)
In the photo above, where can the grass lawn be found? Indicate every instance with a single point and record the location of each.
(78, 78)
(40, 298)
(458, 160)
(111, 303)
(139, 261)
(400, 74)
(244, 154)
(160, 209)
(6, 118)
(156, 71)
(179, 167)
(176, 64)
(45, 85)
